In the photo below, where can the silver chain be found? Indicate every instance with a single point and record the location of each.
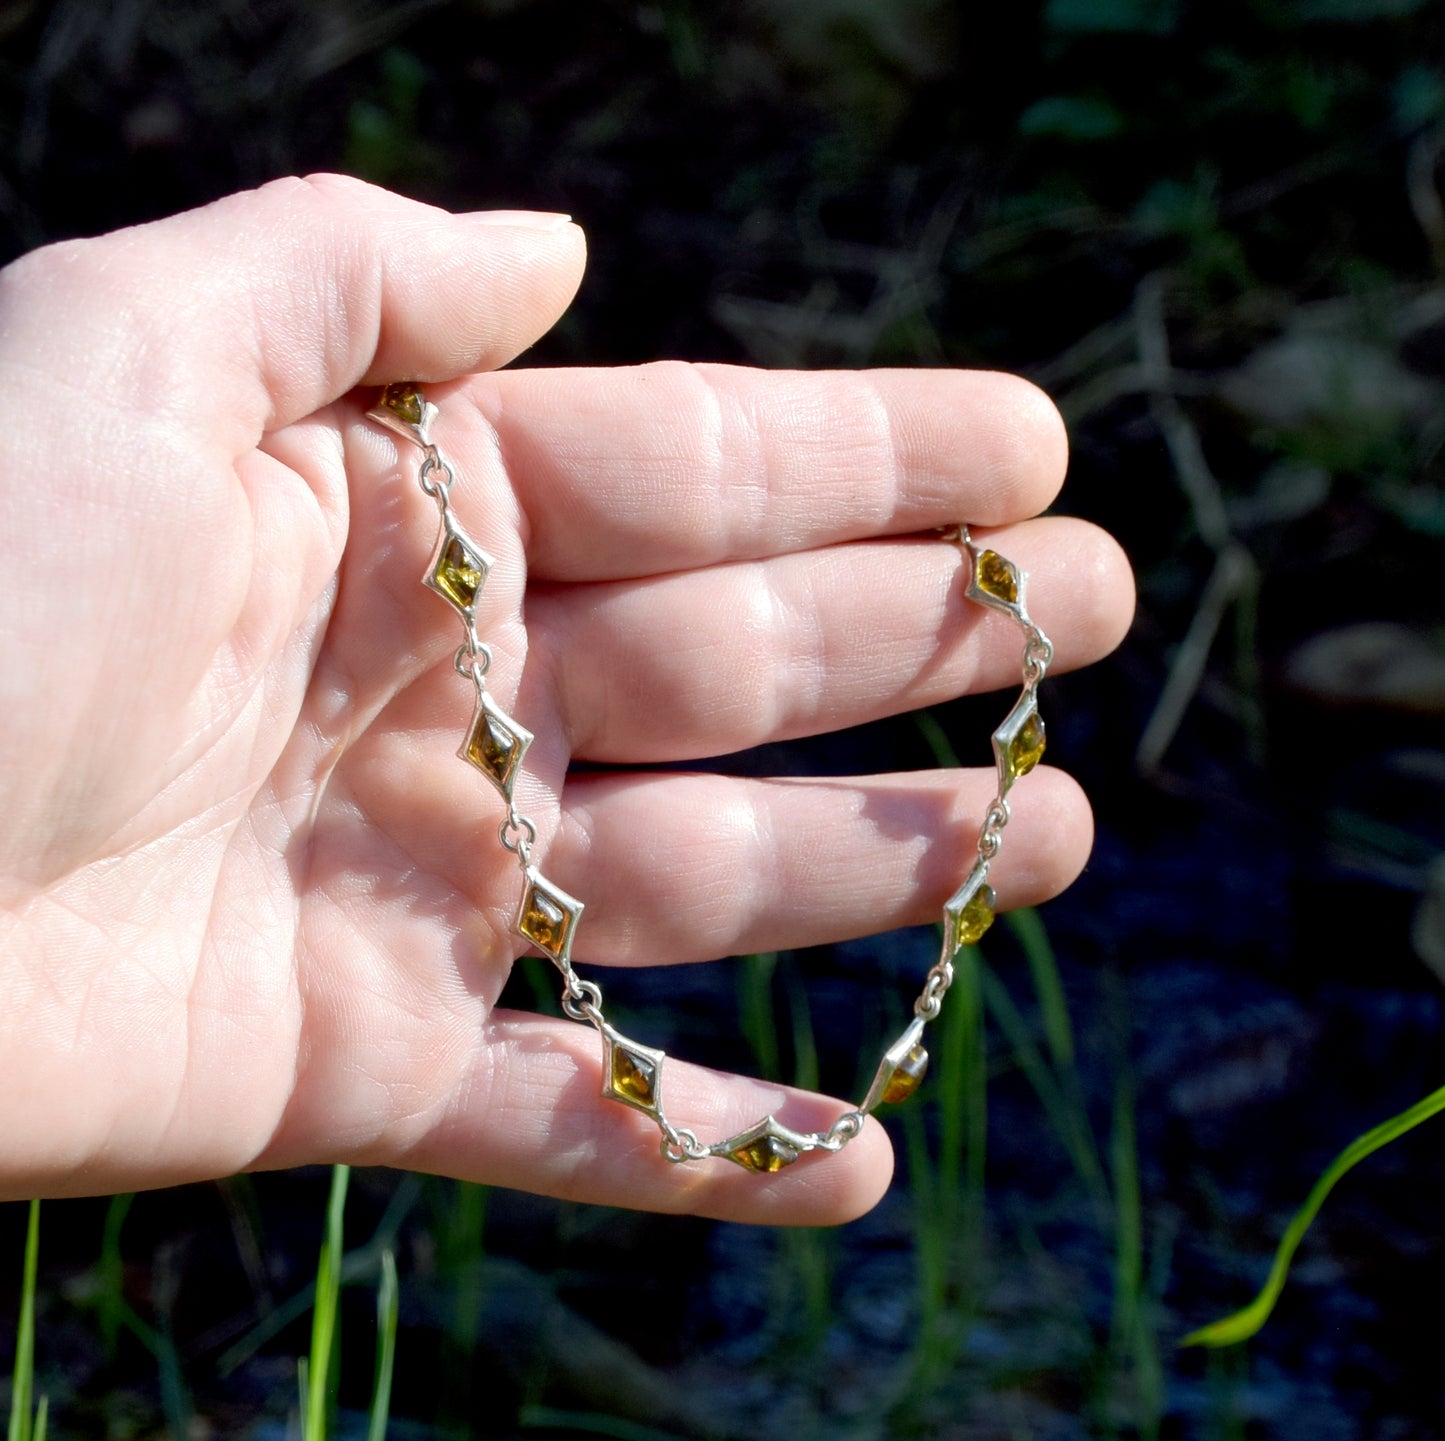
(547, 918)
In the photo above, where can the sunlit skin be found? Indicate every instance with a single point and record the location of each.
(253, 912)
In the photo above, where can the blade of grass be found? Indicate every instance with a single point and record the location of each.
(323, 1316)
(1065, 1113)
(23, 1376)
(1133, 1340)
(112, 1274)
(1244, 1323)
(360, 1265)
(461, 1265)
(756, 1018)
(387, 1310)
(1033, 939)
(175, 1398)
(805, 1041)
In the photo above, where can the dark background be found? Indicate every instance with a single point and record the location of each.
(1215, 233)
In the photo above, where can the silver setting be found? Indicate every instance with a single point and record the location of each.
(418, 434)
(455, 547)
(492, 731)
(980, 557)
(958, 903)
(628, 1068)
(1025, 709)
(561, 912)
(899, 1056)
(764, 1148)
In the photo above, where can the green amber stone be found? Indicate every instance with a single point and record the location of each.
(907, 1075)
(404, 401)
(973, 920)
(633, 1077)
(766, 1155)
(492, 747)
(544, 923)
(1026, 749)
(996, 577)
(457, 574)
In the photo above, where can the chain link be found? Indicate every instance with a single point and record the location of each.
(840, 1132)
(517, 834)
(582, 1000)
(439, 490)
(935, 987)
(990, 838)
(680, 1144)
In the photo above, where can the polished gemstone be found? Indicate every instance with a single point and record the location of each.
(404, 401)
(997, 577)
(492, 748)
(907, 1075)
(1026, 748)
(634, 1077)
(459, 574)
(545, 919)
(976, 916)
(765, 1154)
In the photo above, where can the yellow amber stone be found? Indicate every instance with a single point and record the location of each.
(1026, 749)
(492, 747)
(766, 1154)
(544, 923)
(457, 575)
(996, 576)
(973, 920)
(633, 1077)
(404, 400)
(907, 1076)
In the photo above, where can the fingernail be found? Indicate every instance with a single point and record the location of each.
(521, 219)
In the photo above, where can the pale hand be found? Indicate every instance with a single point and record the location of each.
(253, 911)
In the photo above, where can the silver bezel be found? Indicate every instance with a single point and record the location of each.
(976, 881)
(975, 592)
(892, 1058)
(1025, 706)
(419, 435)
(450, 531)
(769, 1126)
(488, 709)
(612, 1040)
(570, 906)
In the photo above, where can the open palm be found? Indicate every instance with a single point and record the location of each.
(252, 910)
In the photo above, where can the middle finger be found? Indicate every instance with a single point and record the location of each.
(708, 662)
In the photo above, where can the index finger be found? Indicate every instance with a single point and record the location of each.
(638, 471)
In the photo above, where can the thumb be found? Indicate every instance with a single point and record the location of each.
(282, 299)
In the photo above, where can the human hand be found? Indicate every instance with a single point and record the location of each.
(253, 912)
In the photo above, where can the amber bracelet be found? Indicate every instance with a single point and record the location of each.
(547, 917)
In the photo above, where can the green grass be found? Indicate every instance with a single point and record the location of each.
(388, 1311)
(26, 1425)
(316, 1373)
(1242, 1324)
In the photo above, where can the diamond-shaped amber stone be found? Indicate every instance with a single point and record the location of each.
(491, 747)
(544, 922)
(765, 1154)
(973, 920)
(459, 573)
(634, 1077)
(404, 400)
(1026, 749)
(907, 1075)
(997, 577)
